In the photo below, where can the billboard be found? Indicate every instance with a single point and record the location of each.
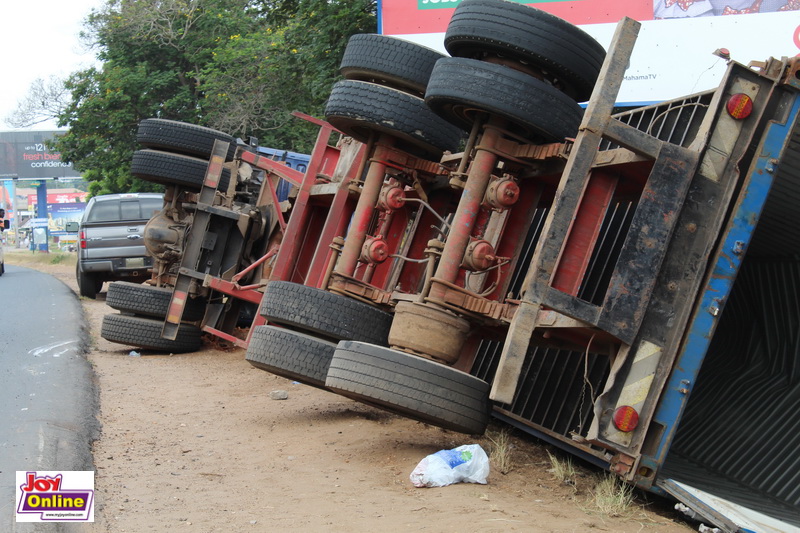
(674, 53)
(59, 198)
(59, 214)
(23, 154)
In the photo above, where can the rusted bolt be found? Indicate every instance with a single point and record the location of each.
(691, 227)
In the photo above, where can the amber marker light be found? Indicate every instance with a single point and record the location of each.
(739, 106)
(626, 418)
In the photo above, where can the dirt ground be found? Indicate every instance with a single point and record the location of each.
(193, 442)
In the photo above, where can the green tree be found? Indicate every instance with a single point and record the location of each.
(150, 52)
(288, 64)
(241, 66)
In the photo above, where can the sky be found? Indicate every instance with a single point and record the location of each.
(39, 39)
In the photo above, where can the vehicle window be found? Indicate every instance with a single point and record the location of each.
(151, 206)
(115, 210)
(129, 209)
(104, 211)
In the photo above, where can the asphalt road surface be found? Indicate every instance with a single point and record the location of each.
(48, 401)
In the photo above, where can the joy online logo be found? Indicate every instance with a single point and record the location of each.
(45, 497)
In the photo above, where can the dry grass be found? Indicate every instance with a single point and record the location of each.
(23, 257)
(501, 450)
(563, 469)
(612, 497)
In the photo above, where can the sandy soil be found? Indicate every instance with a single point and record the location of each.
(194, 443)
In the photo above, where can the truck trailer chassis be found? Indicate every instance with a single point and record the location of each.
(628, 294)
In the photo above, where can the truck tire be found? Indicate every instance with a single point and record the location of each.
(529, 35)
(409, 385)
(358, 108)
(389, 61)
(146, 333)
(327, 314)
(173, 169)
(182, 138)
(146, 300)
(88, 284)
(460, 87)
(290, 354)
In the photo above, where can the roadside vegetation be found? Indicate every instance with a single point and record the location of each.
(30, 259)
(240, 66)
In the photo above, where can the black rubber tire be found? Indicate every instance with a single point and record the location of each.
(528, 34)
(389, 61)
(147, 300)
(460, 87)
(358, 108)
(173, 169)
(146, 333)
(88, 284)
(290, 354)
(2, 268)
(412, 386)
(182, 138)
(325, 313)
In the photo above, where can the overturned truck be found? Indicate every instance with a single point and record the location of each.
(624, 286)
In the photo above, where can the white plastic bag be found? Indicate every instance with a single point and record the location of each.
(467, 463)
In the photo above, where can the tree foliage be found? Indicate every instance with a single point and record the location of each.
(241, 66)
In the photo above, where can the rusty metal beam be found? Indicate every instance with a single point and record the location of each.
(576, 173)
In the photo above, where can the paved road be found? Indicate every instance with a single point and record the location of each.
(48, 401)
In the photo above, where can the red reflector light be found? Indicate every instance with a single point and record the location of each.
(82, 239)
(626, 418)
(739, 106)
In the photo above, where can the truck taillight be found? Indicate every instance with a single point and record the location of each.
(626, 418)
(82, 239)
(740, 106)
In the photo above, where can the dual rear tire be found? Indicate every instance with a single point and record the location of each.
(141, 318)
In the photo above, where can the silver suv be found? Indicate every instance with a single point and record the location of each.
(111, 239)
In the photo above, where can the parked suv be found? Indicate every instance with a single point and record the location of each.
(111, 239)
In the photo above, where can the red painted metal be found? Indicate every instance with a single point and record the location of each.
(532, 195)
(393, 232)
(291, 175)
(469, 208)
(230, 288)
(318, 121)
(584, 231)
(222, 335)
(413, 273)
(292, 243)
(502, 194)
(272, 251)
(348, 262)
(335, 226)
